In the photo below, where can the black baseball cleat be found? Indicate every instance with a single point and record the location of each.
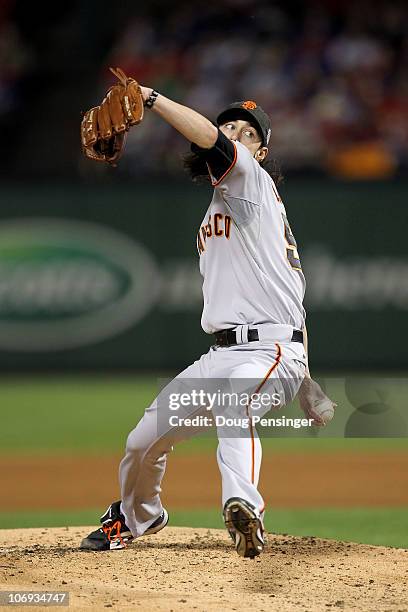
(245, 527)
(114, 533)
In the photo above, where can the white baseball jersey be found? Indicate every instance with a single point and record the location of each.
(248, 255)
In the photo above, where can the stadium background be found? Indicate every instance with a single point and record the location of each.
(99, 289)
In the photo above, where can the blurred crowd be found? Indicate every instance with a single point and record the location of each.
(14, 61)
(331, 74)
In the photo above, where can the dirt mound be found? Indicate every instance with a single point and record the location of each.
(198, 569)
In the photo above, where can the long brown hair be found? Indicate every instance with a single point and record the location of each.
(197, 169)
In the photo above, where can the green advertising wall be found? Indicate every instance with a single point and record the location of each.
(102, 276)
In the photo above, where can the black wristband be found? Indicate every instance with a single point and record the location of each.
(151, 99)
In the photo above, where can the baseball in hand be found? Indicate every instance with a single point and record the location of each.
(324, 409)
(315, 403)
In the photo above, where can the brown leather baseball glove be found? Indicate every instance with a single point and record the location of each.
(104, 127)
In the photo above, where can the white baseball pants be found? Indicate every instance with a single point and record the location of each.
(280, 366)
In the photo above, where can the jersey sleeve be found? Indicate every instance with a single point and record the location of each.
(232, 169)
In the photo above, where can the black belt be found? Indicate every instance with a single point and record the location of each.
(228, 337)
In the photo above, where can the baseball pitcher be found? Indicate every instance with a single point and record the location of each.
(253, 290)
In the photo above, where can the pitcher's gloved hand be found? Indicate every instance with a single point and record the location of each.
(315, 403)
(104, 127)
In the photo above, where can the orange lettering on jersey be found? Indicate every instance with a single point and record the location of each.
(217, 219)
(208, 227)
(227, 225)
(213, 228)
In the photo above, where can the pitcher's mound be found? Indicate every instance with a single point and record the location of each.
(198, 569)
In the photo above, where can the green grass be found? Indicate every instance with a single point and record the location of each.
(84, 413)
(93, 414)
(380, 526)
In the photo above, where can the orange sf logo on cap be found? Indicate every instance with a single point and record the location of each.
(249, 105)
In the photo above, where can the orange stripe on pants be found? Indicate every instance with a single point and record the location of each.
(259, 387)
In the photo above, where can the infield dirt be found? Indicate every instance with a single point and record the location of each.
(198, 569)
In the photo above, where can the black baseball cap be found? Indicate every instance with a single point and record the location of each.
(248, 110)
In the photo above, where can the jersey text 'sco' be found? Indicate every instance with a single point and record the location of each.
(218, 225)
